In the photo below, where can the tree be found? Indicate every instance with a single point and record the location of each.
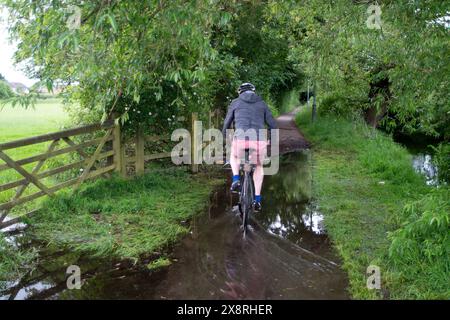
(151, 60)
(395, 76)
(5, 90)
(121, 49)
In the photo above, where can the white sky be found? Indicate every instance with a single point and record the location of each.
(7, 69)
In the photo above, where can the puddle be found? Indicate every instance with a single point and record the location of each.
(286, 256)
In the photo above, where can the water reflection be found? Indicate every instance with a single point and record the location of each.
(314, 221)
(423, 163)
(289, 211)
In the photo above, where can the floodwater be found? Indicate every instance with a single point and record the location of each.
(286, 256)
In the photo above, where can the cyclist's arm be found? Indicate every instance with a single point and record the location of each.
(228, 119)
(271, 122)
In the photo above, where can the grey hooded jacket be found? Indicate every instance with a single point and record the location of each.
(248, 111)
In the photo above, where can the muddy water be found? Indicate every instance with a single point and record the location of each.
(286, 256)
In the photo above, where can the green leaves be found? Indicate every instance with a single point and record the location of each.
(107, 17)
(333, 45)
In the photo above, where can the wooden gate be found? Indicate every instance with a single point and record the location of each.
(108, 155)
(107, 136)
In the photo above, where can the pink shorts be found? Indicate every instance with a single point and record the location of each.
(258, 150)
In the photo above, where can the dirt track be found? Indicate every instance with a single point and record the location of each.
(290, 137)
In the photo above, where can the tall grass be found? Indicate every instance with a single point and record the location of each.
(13, 262)
(366, 187)
(419, 254)
(124, 218)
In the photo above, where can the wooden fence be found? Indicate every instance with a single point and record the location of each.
(109, 155)
(89, 169)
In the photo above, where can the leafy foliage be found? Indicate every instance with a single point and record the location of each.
(5, 90)
(420, 248)
(441, 159)
(396, 76)
(150, 60)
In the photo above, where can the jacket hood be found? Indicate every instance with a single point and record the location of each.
(249, 97)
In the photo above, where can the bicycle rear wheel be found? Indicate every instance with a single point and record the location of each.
(246, 202)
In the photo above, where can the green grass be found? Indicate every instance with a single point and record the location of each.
(363, 180)
(17, 123)
(13, 262)
(125, 219)
(159, 263)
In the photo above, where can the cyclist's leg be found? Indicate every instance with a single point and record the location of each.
(234, 157)
(258, 175)
(237, 147)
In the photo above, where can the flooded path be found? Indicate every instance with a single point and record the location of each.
(286, 256)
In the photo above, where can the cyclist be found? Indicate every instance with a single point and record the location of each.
(250, 114)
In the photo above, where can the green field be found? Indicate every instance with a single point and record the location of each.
(15, 123)
(46, 116)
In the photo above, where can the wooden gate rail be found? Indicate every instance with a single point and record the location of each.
(88, 163)
(140, 139)
(56, 135)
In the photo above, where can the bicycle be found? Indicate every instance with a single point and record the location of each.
(247, 192)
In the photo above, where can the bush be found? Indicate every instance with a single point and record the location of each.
(5, 90)
(420, 248)
(441, 160)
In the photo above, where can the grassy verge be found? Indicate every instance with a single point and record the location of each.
(363, 182)
(124, 219)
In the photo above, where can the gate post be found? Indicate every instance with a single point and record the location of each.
(119, 150)
(140, 145)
